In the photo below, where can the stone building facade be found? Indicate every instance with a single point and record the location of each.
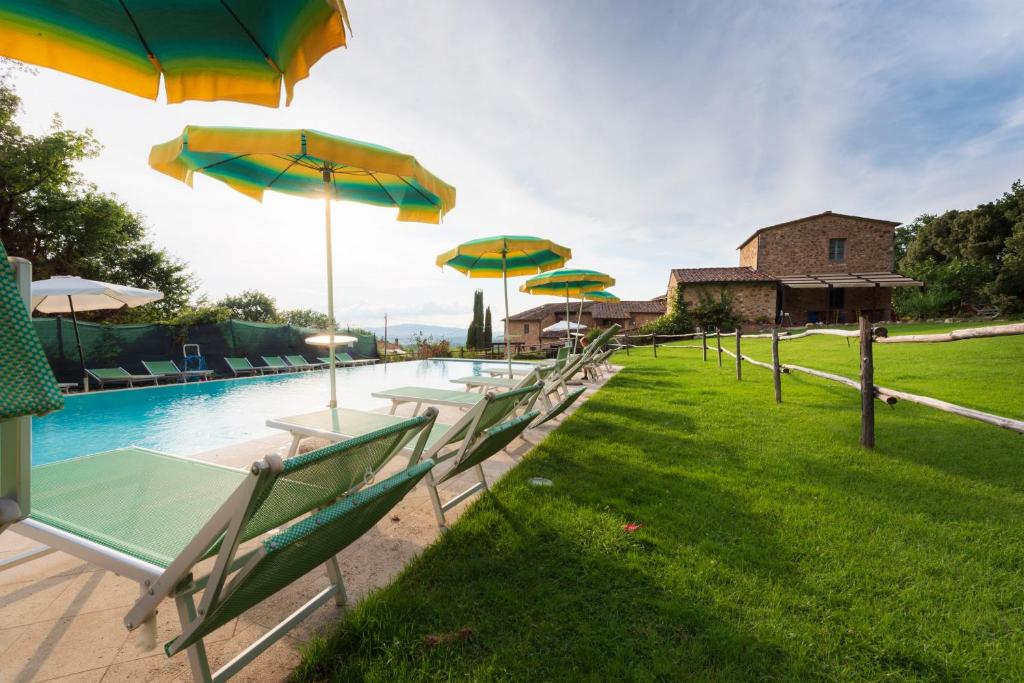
(825, 268)
(527, 327)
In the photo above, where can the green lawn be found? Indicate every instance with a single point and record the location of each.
(772, 546)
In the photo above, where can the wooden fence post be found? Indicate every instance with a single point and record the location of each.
(654, 338)
(739, 356)
(718, 341)
(627, 343)
(867, 385)
(704, 339)
(776, 370)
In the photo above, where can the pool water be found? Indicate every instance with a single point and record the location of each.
(186, 419)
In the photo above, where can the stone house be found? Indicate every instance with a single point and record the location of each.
(825, 268)
(528, 326)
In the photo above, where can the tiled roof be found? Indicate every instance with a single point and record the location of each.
(717, 275)
(541, 312)
(817, 215)
(624, 309)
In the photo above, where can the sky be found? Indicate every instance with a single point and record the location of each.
(645, 136)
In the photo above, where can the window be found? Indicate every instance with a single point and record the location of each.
(526, 327)
(837, 250)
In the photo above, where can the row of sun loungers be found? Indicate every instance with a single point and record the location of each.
(168, 370)
(156, 518)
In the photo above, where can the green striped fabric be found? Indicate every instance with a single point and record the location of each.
(27, 385)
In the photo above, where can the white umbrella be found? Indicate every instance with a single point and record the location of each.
(71, 294)
(563, 325)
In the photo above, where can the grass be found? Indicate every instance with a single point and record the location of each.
(772, 547)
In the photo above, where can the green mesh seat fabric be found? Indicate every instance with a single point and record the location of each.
(501, 405)
(108, 374)
(490, 442)
(145, 504)
(562, 405)
(298, 361)
(316, 478)
(305, 546)
(275, 362)
(27, 384)
(161, 367)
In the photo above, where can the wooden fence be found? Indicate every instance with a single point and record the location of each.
(867, 336)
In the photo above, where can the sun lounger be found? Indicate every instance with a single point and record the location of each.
(300, 363)
(242, 367)
(444, 442)
(482, 382)
(118, 377)
(153, 518)
(277, 364)
(349, 360)
(427, 396)
(326, 360)
(168, 369)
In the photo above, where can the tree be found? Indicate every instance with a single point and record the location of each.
(488, 332)
(964, 257)
(252, 305)
(475, 332)
(50, 215)
(305, 317)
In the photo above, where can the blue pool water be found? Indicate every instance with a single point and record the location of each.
(186, 419)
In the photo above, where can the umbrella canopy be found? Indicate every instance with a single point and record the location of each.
(308, 163)
(505, 256)
(70, 294)
(568, 282)
(204, 49)
(325, 340)
(601, 295)
(563, 325)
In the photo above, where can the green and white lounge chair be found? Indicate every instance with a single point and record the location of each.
(277, 364)
(242, 367)
(421, 396)
(300, 363)
(460, 440)
(168, 369)
(349, 360)
(482, 382)
(155, 518)
(338, 360)
(119, 377)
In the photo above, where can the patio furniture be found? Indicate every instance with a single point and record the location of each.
(988, 311)
(426, 395)
(165, 369)
(338, 361)
(242, 367)
(277, 364)
(66, 387)
(119, 376)
(300, 363)
(481, 382)
(153, 518)
(343, 357)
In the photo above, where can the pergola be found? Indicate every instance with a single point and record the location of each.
(826, 280)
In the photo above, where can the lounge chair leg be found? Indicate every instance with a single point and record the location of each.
(334, 574)
(483, 479)
(294, 448)
(435, 499)
(197, 652)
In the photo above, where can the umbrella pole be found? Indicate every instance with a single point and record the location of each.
(579, 317)
(568, 326)
(78, 342)
(330, 287)
(504, 283)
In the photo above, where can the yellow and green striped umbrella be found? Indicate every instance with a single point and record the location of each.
(505, 256)
(204, 49)
(308, 163)
(568, 282)
(601, 296)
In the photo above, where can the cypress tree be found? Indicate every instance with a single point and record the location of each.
(488, 332)
(478, 318)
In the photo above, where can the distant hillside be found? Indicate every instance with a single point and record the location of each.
(406, 331)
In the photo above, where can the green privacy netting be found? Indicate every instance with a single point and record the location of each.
(27, 385)
(128, 345)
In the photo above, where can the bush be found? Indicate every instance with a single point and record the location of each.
(712, 314)
(930, 302)
(428, 347)
(679, 320)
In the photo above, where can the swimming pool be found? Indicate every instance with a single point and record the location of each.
(186, 419)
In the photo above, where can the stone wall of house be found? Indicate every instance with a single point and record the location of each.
(803, 247)
(753, 301)
(748, 253)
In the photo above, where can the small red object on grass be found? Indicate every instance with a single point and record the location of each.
(631, 527)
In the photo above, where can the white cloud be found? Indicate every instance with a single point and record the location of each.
(643, 136)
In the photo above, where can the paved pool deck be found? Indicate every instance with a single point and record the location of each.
(61, 618)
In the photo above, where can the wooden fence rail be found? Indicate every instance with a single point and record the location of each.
(870, 392)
